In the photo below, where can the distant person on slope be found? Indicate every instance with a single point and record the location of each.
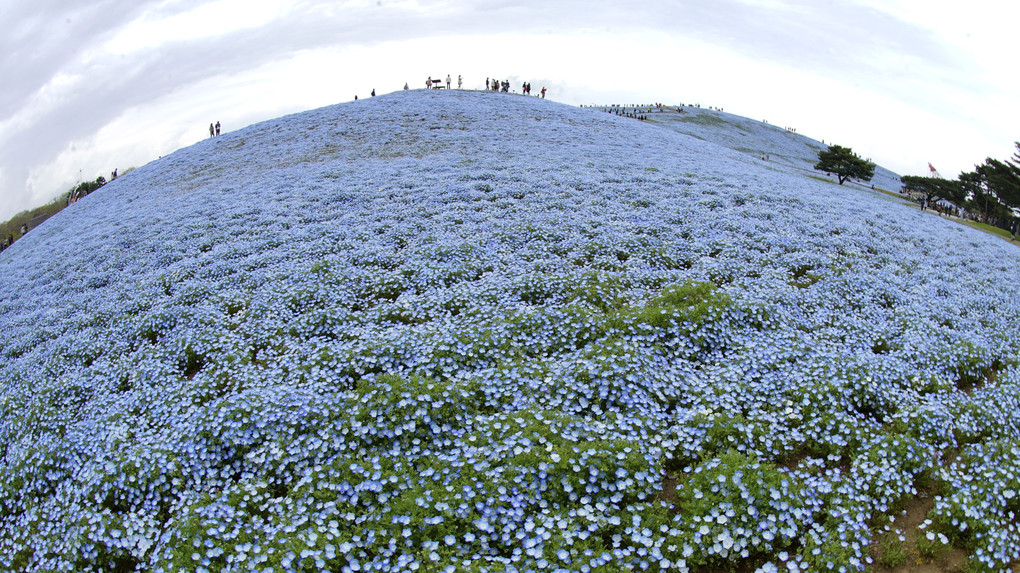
(217, 128)
(212, 130)
(447, 81)
(460, 81)
(543, 92)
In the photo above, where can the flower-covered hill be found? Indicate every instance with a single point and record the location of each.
(459, 331)
(781, 146)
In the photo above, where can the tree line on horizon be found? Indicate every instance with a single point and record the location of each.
(991, 191)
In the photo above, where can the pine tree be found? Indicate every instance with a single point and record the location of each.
(845, 164)
(935, 188)
(1002, 179)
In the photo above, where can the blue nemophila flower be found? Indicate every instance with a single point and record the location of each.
(579, 344)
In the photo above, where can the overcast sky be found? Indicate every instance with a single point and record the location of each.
(89, 86)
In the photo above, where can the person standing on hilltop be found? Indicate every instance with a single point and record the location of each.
(217, 128)
(543, 92)
(460, 81)
(212, 130)
(447, 81)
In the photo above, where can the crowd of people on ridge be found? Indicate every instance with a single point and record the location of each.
(637, 111)
(504, 86)
(492, 85)
(641, 111)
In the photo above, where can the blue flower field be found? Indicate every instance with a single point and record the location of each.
(465, 331)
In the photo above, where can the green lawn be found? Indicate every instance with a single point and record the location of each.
(989, 229)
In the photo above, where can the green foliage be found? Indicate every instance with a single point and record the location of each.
(930, 547)
(993, 190)
(414, 400)
(690, 303)
(975, 367)
(1002, 179)
(723, 494)
(601, 291)
(935, 188)
(12, 227)
(722, 432)
(845, 164)
(803, 277)
(891, 552)
(86, 187)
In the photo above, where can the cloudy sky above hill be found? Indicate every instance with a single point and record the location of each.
(103, 84)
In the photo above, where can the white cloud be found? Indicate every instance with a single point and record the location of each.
(208, 20)
(60, 87)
